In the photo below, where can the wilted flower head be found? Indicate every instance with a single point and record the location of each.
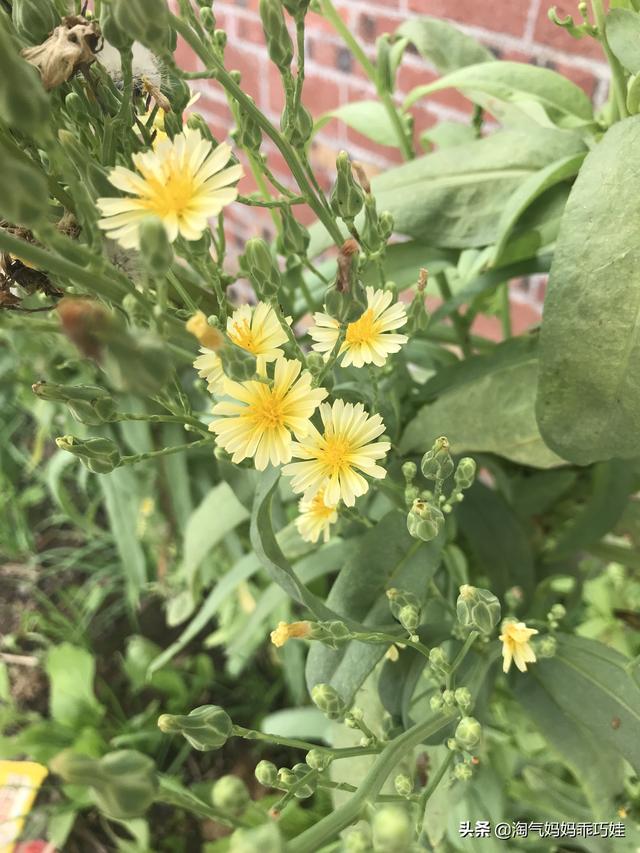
(70, 46)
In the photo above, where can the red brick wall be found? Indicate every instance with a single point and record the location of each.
(514, 29)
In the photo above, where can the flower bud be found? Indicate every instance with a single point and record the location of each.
(248, 134)
(100, 455)
(297, 126)
(465, 473)
(436, 702)
(462, 772)
(438, 660)
(230, 795)
(34, 19)
(261, 268)
(208, 19)
(196, 122)
(308, 789)
(328, 700)
(146, 21)
(385, 225)
(403, 785)
(205, 728)
(332, 634)
(261, 839)
(237, 363)
(437, 463)
(279, 42)
(392, 830)
(463, 699)
(155, 248)
(424, 521)
(385, 72)
(24, 196)
(399, 598)
(266, 773)
(202, 329)
(468, 733)
(294, 238)
(547, 646)
(409, 618)
(296, 8)
(409, 471)
(318, 759)
(417, 315)
(357, 841)
(88, 404)
(557, 612)
(24, 104)
(347, 197)
(477, 609)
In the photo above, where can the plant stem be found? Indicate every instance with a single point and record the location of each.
(189, 802)
(473, 635)
(160, 419)
(433, 784)
(312, 839)
(166, 451)
(458, 322)
(287, 150)
(505, 311)
(330, 13)
(617, 74)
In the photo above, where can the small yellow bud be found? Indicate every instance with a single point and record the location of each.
(206, 334)
(290, 631)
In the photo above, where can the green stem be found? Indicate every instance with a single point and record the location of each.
(459, 324)
(312, 839)
(189, 802)
(617, 74)
(330, 13)
(505, 311)
(160, 419)
(287, 151)
(473, 635)
(433, 784)
(166, 451)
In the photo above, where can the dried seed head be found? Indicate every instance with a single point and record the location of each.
(69, 47)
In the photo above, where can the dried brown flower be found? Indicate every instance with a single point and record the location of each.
(70, 47)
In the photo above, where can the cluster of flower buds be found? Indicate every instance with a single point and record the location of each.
(460, 698)
(261, 268)
(477, 610)
(206, 728)
(406, 608)
(279, 44)
(125, 782)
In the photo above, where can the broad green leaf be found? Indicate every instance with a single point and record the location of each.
(369, 118)
(71, 671)
(443, 44)
(485, 403)
(623, 35)
(454, 197)
(565, 103)
(176, 471)
(592, 688)
(596, 770)
(298, 722)
(528, 192)
(496, 539)
(447, 134)
(588, 403)
(480, 798)
(384, 557)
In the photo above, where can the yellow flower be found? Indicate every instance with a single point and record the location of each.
(209, 367)
(183, 182)
(290, 631)
(260, 416)
(368, 340)
(258, 331)
(333, 460)
(207, 336)
(316, 517)
(515, 645)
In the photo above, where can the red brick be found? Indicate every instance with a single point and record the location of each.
(503, 16)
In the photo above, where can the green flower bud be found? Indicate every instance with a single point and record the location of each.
(205, 728)
(409, 618)
(333, 634)
(347, 197)
(478, 609)
(465, 473)
(463, 772)
(399, 598)
(262, 839)
(424, 521)
(438, 660)
(411, 493)
(370, 232)
(468, 733)
(308, 789)
(248, 134)
(448, 697)
(261, 268)
(452, 744)
(437, 463)
(514, 597)
(88, 404)
(279, 42)
(286, 777)
(417, 315)
(557, 612)
(294, 238)
(196, 122)
(237, 363)
(297, 126)
(547, 646)
(337, 302)
(24, 105)
(315, 363)
(297, 8)
(231, 796)
(318, 759)
(155, 248)
(357, 841)
(328, 700)
(111, 29)
(392, 830)
(208, 19)
(25, 194)
(146, 21)
(463, 699)
(385, 73)
(125, 782)
(385, 225)
(266, 773)
(403, 785)
(100, 455)
(34, 19)
(409, 471)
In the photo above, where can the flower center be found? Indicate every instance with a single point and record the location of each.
(363, 330)
(319, 508)
(269, 412)
(172, 194)
(336, 453)
(242, 336)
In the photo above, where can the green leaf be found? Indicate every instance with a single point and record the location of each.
(485, 404)
(71, 671)
(496, 539)
(623, 35)
(454, 197)
(443, 44)
(447, 134)
(588, 404)
(528, 192)
(565, 103)
(592, 688)
(369, 118)
(596, 770)
(383, 557)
